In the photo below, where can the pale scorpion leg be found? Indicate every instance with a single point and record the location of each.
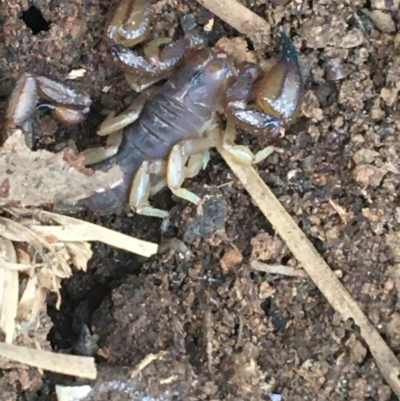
(195, 163)
(240, 152)
(114, 123)
(141, 188)
(176, 171)
(226, 139)
(98, 154)
(33, 91)
(185, 160)
(113, 127)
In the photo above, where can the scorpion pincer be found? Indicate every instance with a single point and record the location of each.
(165, 137)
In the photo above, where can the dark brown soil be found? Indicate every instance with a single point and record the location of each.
(232, 333)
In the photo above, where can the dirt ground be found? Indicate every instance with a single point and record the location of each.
(232, 333)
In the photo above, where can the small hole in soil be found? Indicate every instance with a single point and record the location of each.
(34, 20)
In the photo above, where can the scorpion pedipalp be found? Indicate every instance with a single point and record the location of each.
(33, 91)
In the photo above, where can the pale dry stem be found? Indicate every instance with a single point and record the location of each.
(146, 361)
(72, 229)
(239, 17)
(9, 289)
(277, 269)
(72, 365)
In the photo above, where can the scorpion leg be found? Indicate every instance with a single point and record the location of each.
(226, 139)
(196, 163)
(113, 127)
(98, 154)
(114, 123)
(242, 153)
(33, 91)
(176, 170)
(142, 187)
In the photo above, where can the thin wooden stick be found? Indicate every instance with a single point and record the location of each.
(87, 232)
(239, 17)
(316, 267)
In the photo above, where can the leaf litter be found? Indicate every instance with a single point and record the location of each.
(39, 249)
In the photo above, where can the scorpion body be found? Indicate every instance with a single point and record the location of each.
(166, 139)
(183, 108)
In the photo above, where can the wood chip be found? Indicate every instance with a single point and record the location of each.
(25, 179)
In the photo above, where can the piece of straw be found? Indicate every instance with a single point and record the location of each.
(72, 230)
(239, 17)
(72, 365)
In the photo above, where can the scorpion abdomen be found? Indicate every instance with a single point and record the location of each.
(170, 116)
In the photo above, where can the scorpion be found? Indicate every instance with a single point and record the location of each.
(165, 136)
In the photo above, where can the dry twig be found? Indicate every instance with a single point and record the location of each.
(9, 288)
(316, 267)
(147, 360)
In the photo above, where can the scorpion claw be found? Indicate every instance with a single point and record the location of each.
(59, 94)
(156, 62)
(66, 104)
(279, 92)
(129, 23)
(277, 95)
